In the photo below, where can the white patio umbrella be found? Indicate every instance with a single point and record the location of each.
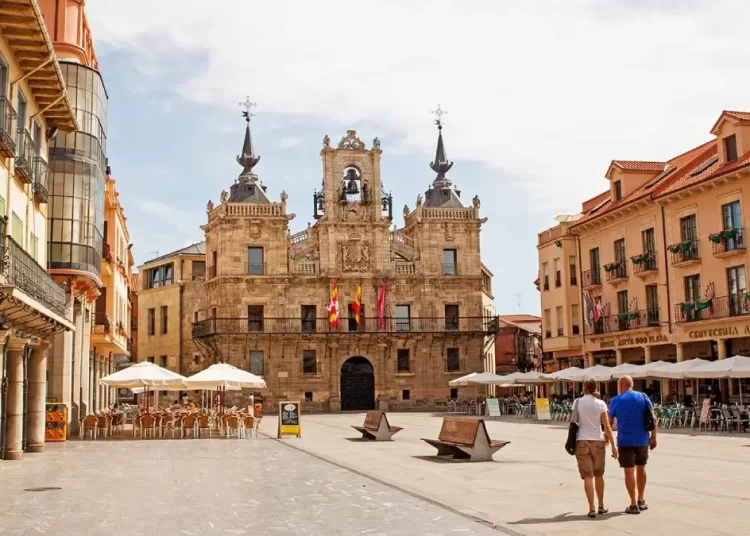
(475, 378)
(224, 376)
(626, 369)
(675, 371)
(732, 367)
(600, 373)
(463, 381)
(533, 377)
(144, 374)
(646, 371)
(507, 379)
(566, 375)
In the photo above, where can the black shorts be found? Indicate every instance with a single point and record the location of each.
(632, 456)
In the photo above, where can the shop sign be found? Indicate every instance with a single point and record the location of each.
(726, 331)
(634, 341)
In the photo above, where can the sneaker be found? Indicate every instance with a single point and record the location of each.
(642, 505)
(632, 509)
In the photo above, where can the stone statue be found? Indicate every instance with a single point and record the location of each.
(326, 142)
(475, 201)
(419, 200)
(376, 143)
(406, 210)
(284, 197)
(209, 206)
(224, 196)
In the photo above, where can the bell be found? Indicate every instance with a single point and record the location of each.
(320, 203)
(352, 187)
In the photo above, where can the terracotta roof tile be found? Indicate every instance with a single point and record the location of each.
(638, 165)
(520, 318)
(135, 281)
(738, 116)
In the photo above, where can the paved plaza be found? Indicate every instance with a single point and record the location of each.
(698, 486)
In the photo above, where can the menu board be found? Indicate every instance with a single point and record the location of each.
(493, 407)
(542, 409)
(289, 418)
(705, 410)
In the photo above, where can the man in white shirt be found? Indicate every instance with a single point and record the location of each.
(590, 414)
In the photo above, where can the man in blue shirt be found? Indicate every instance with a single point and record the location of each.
(633, 440)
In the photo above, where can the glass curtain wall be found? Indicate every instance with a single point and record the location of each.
(78, 163)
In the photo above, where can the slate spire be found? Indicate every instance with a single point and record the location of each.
(248, 159)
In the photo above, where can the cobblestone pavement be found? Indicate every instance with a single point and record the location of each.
(206, 487)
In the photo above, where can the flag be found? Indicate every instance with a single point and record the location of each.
(598, 309)
(358, 304)
(381, 307)
(333, 306)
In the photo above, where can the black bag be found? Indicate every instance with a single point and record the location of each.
(570, 444)
(648, 416)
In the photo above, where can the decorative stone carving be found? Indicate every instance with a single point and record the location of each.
(376, 143)
(209, 206)
(352, 212)
(476, 201)
(449, 236)
(284, 197)
(354, 256)
(224, 196)
(256, 229)
(326, 142)
(419, 200)
(406, 211)
(351, 141)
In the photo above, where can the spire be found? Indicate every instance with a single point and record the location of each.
(441, 165)
(247, 159)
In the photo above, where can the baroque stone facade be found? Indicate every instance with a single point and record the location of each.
(264, 303)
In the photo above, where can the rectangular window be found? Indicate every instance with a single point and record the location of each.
(487, 283)
(559, 319)
(256, 362)
(163, 361)
(688, 228)
(573, 270)
(150, 359)
(545, 273)
(652, 305)
(574, 319)
(213, 269)
(451, 317)
(405, 394)
(151, 321)
(732, 216)
(4, 79)
(164, 318)
(453, 363)
(737, 285)
(255, 261)
(195, 316)
(34, 247)
(309, 318)
(618, 190)
(17, 230)
(403, 360)
(199, 270)
(403, 318)
(309, 362)
(308, 396)
(547, 323)
(255, 318)
(620, 250)
(160, 276)
(450, 259)
(730, 146)
(353, 318)
(622, 309)
(2, 207)
(454, 393)
(649, 242)
(558, 273)
(594, 264)
(20, 120)
(692, 295)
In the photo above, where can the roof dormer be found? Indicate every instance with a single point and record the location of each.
(732, 131)
(626, 176)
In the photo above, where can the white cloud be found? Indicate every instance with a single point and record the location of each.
(289, 142)
(549, 92)
(183, 220)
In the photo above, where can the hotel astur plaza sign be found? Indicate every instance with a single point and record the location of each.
(627, 342)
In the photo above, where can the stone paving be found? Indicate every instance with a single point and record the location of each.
(205, 487)
(698, 485)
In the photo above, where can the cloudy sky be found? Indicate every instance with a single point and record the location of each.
(540, 95)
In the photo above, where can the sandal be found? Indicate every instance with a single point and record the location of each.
(603, 510)
(592, 514)
(642, 505)
(632, 509)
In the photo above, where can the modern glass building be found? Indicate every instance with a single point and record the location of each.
(78, 164)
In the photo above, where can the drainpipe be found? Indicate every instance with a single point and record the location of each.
(179, 312)
(582, 307)
(666, 269)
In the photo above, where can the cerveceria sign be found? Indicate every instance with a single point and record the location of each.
(634, 341)
(726, 331)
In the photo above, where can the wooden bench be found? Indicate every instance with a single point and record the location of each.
(376, 427)
(465, 439)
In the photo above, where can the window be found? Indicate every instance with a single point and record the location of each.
(403, 363)
(486, 282)
(308, 396)
(558, 273)
(454, 393)
(353, 318)
(730, 146)
(547, 323)
(151, 321)
(150, 359)
(163, 361)
(160, 276)
(308, 318)
(195, 316)
(622, 309)
(545, 271)
(17, 230)
(618, 190)
(256, 362)
(594, 264)
(213, 270)
(2, 207)
(620, 250)
(692, 295)
(732, 216)
(164, 318)
(652, 305)
(452, 363)
(3, 78)
(688, 228)
(403, 316)
(450, 262)
(213, 313)
(199, 270)
(255, 261)
(34, 247)
(737, 285)
(20, 119)
(559, 318)
(451, 317)
(574, 318)
(405, 394)
(309, 362)
(255, 318)
(573, 270)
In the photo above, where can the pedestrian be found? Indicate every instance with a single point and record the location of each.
(590, 414)
(633, 439)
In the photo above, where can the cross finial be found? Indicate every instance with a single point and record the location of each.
(247, 105)
(439, 113)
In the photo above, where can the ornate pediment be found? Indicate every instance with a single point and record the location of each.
(351, 141)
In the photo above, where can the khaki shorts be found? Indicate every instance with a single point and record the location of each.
(590, 457)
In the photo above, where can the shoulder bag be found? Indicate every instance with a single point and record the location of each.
(648, 416)
(570, 443)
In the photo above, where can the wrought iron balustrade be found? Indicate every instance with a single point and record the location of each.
(102, 324)
(41, 174)
(617, 270)
(685, 251)
(728, 240)
(7, 128)
(591, 278)
(619, 322)
(24, 161)
(713, 308)
(645, 262)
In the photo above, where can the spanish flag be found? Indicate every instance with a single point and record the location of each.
(333, 306)
(357, 305)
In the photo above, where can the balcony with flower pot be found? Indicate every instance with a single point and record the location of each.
(728, 243)
(644, 264)
(685, 253)
(617, 272)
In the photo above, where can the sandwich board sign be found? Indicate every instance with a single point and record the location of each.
(289, 418)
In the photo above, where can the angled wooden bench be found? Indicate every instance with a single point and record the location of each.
(465, 439)
(376, 427)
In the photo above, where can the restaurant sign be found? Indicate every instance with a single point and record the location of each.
(726, 331)
(289, 419)
(634, 341)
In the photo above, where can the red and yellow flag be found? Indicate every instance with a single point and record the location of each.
(357, 305)
(333, 306)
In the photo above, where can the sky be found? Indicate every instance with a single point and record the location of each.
(540, 96)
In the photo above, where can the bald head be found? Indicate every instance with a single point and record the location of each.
(624, 384)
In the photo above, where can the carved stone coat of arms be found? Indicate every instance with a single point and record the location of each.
(354, 256)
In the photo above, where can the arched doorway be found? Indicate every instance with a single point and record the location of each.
(357, 385)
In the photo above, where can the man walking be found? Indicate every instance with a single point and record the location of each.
(633, 439)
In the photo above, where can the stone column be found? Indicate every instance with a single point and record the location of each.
(727, 386)
(680, 347)
(647, 354)
(37, 396)
(722, 346)
(14, 411)
(618, 353)
(589, 359)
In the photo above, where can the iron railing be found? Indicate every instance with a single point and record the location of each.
(591, 278)
(102, 324)
(644, 318)
(24, 272)
(230, 326)
(685, 251)
(256, 268)
(7, 128)
(728, 240)
(645, 262)
(41, 175)
(450, 268)
(24, 161)
(716, 307)
(616, 270)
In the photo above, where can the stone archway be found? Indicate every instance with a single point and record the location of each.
(357, 385)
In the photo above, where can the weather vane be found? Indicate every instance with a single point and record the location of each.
(439, 113)
(247, 105)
